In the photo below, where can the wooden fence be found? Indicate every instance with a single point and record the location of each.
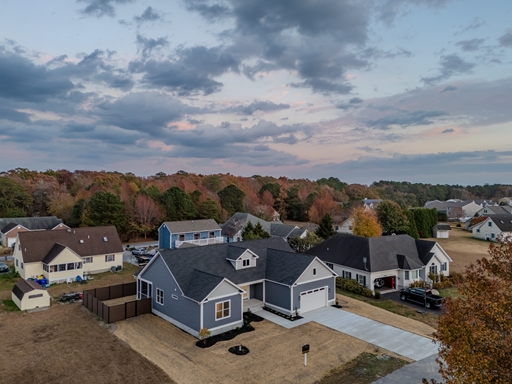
(94, 302)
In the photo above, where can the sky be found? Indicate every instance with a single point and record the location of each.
(404, 90)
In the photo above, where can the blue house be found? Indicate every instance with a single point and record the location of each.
(172, 234)
(209, 287)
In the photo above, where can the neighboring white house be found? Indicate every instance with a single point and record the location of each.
(441, 230)
(456, 209)
(345, 226)
(388, 261)
(28, 294)
(494, 210)
(493, 228)
(62, 256)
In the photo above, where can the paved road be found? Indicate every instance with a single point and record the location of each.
(413, 373)
(129, 258)
(393, 339)
(395, 296)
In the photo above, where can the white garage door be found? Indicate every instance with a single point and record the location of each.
(316, 298)
(11, 241)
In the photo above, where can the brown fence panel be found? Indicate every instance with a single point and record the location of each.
(101, 310)
(102, 294)
(131, 309)
(116, 313)
(130, 289)
(90, 298)
(106, 313)
(143, 306)
(95, 305)
(116, 291)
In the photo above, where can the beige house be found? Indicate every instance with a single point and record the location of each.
(28, 294)
(64, 256)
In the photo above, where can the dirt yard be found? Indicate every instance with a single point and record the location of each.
(65, 344)
(367, 310)
(274, 357)
(463, 248)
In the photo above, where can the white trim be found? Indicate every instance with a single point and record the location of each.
(156, 294)
(157, 254)
(227, 325)
(277, 308)
(222, 310)
(201, 316)
(253, 282)
(208, 298)
(309, 265)
(147, 282)
(176, 323)
(17, 227)
(444, 252)
(276, 282)
(312, 281)
(326, 288)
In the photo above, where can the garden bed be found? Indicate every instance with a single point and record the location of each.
(287, 317)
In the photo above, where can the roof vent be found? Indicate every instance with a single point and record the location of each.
(81, 241)
(105, 239)
(69, 230)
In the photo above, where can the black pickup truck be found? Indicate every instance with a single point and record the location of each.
(419, 295)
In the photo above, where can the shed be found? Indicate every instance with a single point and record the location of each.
(440, 230)
(28, 294)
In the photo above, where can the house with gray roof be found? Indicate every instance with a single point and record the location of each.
(173, 234)
(441, 230)
(210, 287)
(494, 228)
(10, 227)
(456, 209)
(495, 210)
(388, 261)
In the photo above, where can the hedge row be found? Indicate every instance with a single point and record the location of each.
(351, 285)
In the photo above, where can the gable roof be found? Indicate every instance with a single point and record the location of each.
(281, 230)
(23, 287)
(498, 209)
(31, 223)
(381, 253)
(86, 241)
(239, 220)
(443, 227)
(503, 222)
(199, 270)
(192, 225)
(53, 253)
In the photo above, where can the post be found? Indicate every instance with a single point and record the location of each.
(305, 359)
(305, 350)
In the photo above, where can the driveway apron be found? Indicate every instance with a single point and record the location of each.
(404, 343)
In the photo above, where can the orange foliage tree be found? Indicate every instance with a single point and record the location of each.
(475, 329)
(365, 223)
(323, 205)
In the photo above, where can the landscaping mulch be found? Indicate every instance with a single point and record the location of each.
(287, 317)
(239, 350)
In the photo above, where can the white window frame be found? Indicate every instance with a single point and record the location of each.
(160, 296)
(88, 259)
(347, 274)
(444, 266)
(246, 262)
(363, 278)
(314, 271)
(222, 310)
(330, 265)
(433, 268)
(406, 275)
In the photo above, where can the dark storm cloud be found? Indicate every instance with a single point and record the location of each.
(450, 65)
(189, 71)
(149, 15)
(147, 45)
(14, 115)
(506, 39)
(263, 106)
(405, 119)
(470, 45)
(22, 80)
(101, 8)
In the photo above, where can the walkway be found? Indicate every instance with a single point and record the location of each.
(413, 373)
(393, 339)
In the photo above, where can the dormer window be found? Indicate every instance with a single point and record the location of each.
(246, 262)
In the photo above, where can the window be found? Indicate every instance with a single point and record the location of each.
(246, 262)
(174, 297)
(22, 263)
(222, 310)
(109, 258)
(71, 266)
(314, 271)
(478, 230)
(414, 274)
(35, 296)
(347, 275)
(45, 268)
(62, 267)
(433, 268)
(16, 262)
(490, 223)
(88, 260)
(492, 236)
(53, 268)
(444, 267)
(330, 265)
(361, 279)
(160, 296)
(197, 236)
(78, 265)
(211, 235)
(181, 237)
(406, 273)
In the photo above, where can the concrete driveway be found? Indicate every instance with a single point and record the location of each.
(404, 343)
(395, 296)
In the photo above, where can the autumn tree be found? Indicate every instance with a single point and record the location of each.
(475, 330)
(231, 199)
(148, 215)
(323, 205)
(391, 218)
(365, 223)
(325, 228)
(301, 245)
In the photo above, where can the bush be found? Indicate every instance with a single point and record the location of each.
(377, 295)
(351, 285)
(417, 284)
(456, 278)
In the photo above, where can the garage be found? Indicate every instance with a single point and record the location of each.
(313, 299)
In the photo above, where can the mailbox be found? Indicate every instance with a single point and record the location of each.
(305, 348)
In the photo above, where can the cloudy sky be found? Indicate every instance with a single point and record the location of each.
(413, 90)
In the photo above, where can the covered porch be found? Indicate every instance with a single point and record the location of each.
(254, 305)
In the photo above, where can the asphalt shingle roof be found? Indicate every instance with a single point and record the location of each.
(503, 222)
(281, 230)
(86, 241)
(31, 223)
(381, 253)
(192, 226)
(22, 287)
(239, 220)
(199, 270)
(443, 227)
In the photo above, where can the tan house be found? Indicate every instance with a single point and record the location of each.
(28, 294)
(62, 256)
(10, 227)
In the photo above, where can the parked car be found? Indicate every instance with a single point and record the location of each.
(3, 267)
(140, 251)
(71, 297)
(422, 296)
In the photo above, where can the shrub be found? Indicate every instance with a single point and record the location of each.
(351, 285)
(204, 333)
(417, 284)
(377, 295)
(457, 278)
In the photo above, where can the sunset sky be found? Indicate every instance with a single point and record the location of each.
(405, 90)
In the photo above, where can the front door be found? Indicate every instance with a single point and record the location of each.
(246, 288)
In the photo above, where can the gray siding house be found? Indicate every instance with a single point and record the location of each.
(208, 287)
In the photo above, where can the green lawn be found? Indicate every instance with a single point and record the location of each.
(364, 369)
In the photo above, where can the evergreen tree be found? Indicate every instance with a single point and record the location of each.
(231, 199)
(325, 228)
(302, 245)
(391, 218)
(412, 230)
(254, 232)
(209, 210)
(178, 205)
(105, 208)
